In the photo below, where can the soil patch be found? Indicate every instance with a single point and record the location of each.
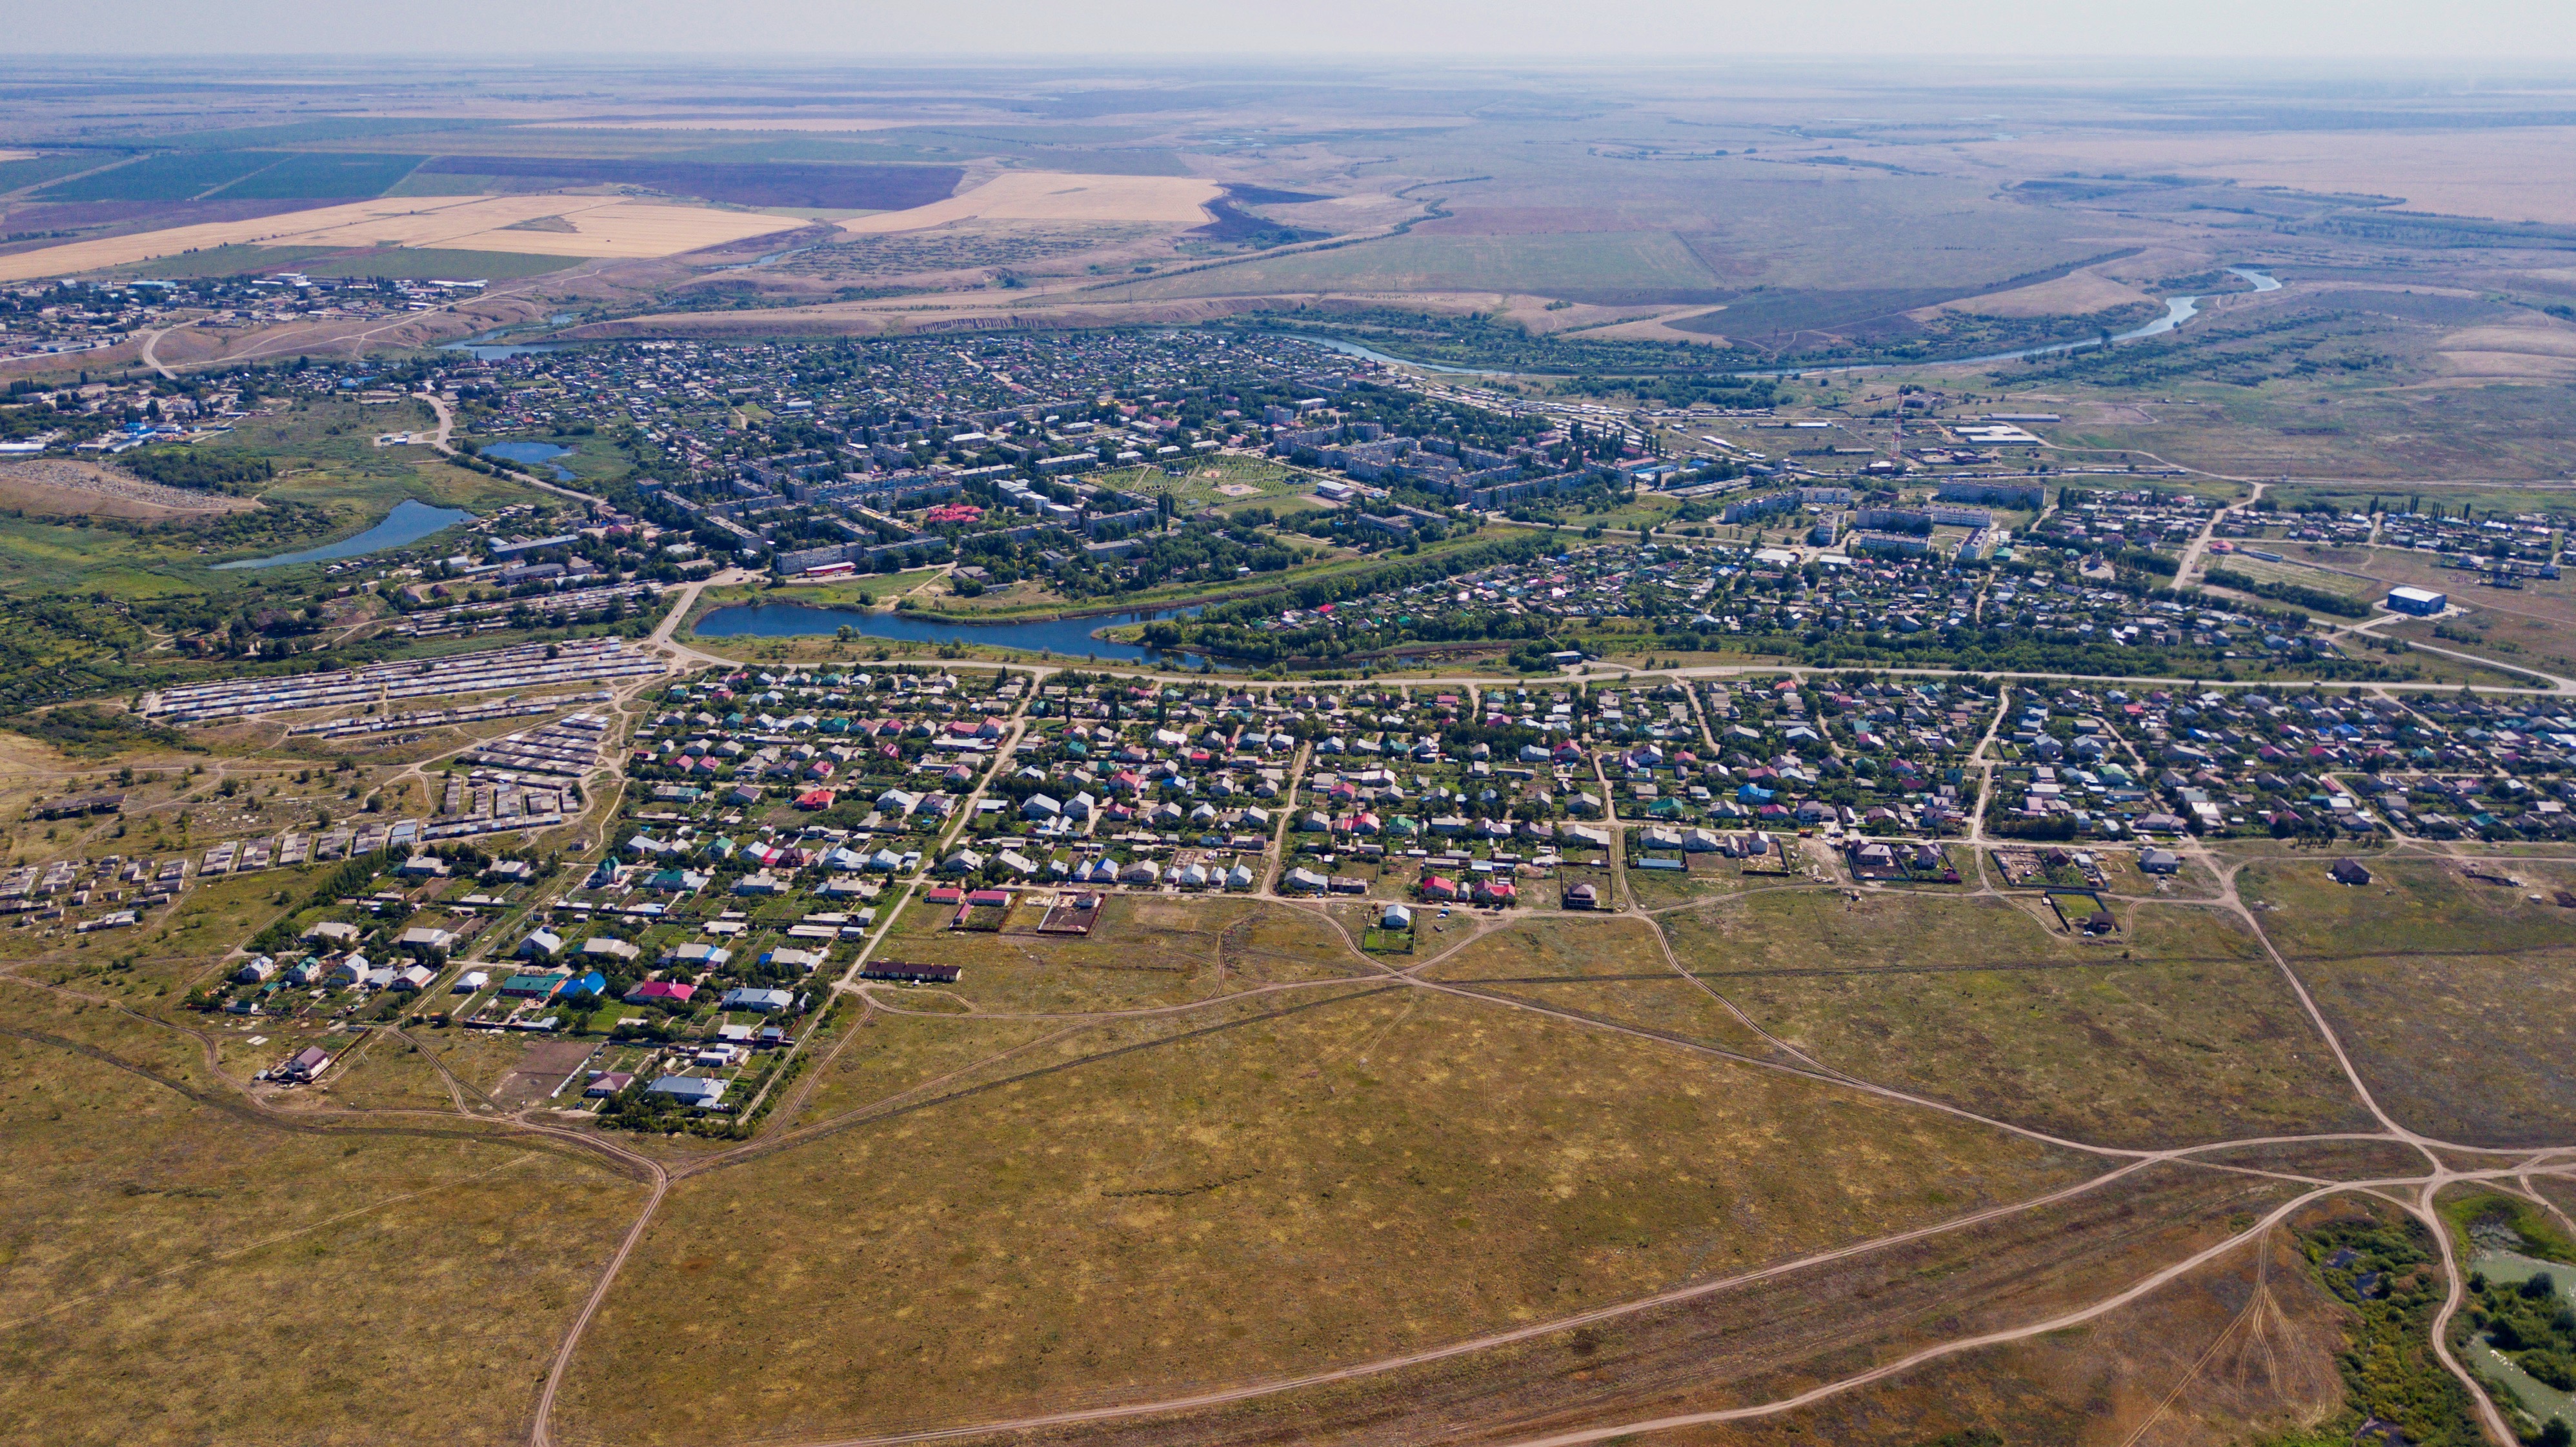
(52, 487)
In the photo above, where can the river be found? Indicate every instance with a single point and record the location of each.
(2178, 309)
(1064, 637)
(409, 522)
(1369, 354)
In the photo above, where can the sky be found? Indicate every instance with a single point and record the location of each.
(2528, 32)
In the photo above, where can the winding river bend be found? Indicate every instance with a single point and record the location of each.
(2178, 309)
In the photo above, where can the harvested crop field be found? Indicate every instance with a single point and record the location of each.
(2078, 293)
(52, 487)
(602, 226)
(1059, 196)
(863, 187)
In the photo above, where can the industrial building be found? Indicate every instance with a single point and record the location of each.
(2418, 601)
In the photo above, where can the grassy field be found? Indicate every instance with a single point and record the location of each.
(1215, 482)
(2180, 1032)
(1549, 949)
(1655, 261)
(2096, 1383)
(2454, 998)
(167, 1261)
(2292, 573)
(1143, 952)
(1399, 1169)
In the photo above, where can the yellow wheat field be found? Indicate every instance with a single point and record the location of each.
(1058, 196)
(602, 226)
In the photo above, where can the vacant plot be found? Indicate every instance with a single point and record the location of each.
(1551, 949)
(167, 1260)
(1769, 1340)
(2454, 998)
(389, 1073)
(2324, 580)
(2127, 1053)
(543, 1068)
(55, 488)
(1143, 952)
(1057, 196)
(1682, 1010)
(1706, 879)
(2180, 1031)
(2476, 1048)
(1392, 1169)
(891, 1054)
(2411, 906)
(1815, 932)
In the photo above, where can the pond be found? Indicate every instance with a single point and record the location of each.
(488, 346)
(409, 522)
(2537, 1397)
(532, 454)
(1065, 637)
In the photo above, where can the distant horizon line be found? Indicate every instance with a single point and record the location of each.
(810, 58)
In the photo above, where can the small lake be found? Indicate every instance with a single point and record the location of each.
(1064, 637)
(409, 522)
(532, 454)
(489, 346)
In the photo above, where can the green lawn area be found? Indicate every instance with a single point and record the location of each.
(1215, 481)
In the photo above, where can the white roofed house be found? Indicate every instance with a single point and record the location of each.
(422, 938)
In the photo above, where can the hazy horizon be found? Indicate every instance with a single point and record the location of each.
(1649, 33)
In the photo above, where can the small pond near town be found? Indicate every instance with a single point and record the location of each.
(409, 522)
(1065, 637)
